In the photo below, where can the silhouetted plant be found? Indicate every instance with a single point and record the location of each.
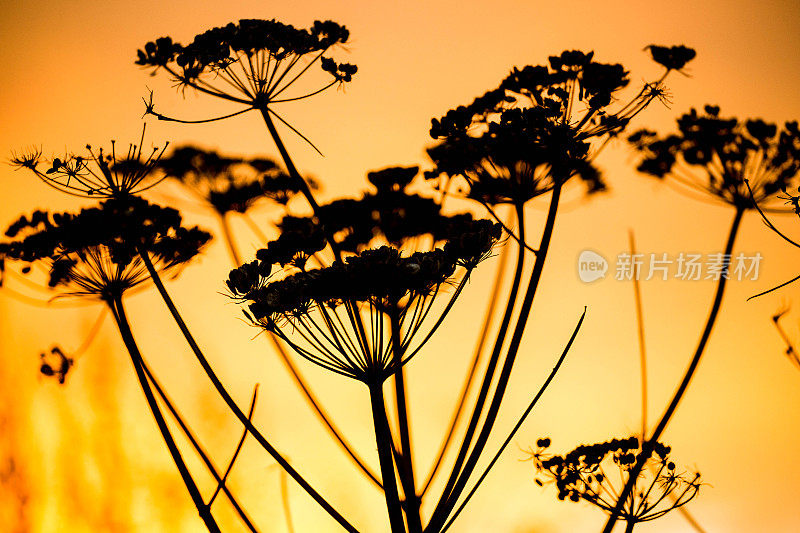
(744, 164)
(228, 184)
(721, 156)
(96, 254)
(309, 302)
(540, 127)
(368, 310)
(391, 214)
(96, 173)
(537, 128)
(322, 310)
(252, 63)
(587, 473)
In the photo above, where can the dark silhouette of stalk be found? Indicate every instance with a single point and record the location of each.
(304, 188)
(383, 439)
(647, 448)
(353, 315)
(298, 377)
(226, 397)
(487, 321)
(221, 483)
(487, 379)
(201, 451)
(637, 295)
(457, 485)
(518, 424)
(136, 358)
(405, 465)
(287, 511)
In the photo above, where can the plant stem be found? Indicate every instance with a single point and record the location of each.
(226, 397)
(383, 439)
(304, 188)
(487, 379)
(221, 480)
(637, 295)
(487, 321)
(513, 348)
(136, 358)
(519, 423)
(228, 234)
(647, 447)
(406, 463)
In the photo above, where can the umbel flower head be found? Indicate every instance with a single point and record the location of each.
(315, 311)
(390, 214)
(96, 173)
(228, 184)
(96, 252)
(538, 126)
(589, 473)
(251, 62)
(724, 156)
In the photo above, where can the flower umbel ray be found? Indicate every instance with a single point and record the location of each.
(722, 157)
(252, 62)
(96, 252)
(542, 124)
(97, 173)
(588, 473)
(314, 311)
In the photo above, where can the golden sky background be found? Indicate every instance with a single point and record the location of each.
(88, 452)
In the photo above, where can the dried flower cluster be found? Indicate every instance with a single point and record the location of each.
(228, 184)
(95, 252)
(252, 62)
(98, 174)
(516, 141)
(314, 302)
(724, 156)
(589, 473)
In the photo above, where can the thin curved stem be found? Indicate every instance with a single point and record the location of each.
(487, 378)
(637, 295)
(226, 397)
(490, 311)
(221, 482)
(383, 439)
(200, 450)
(647, 447)
(229, 242)
(287, 510)
(136, 358)
(519, 423)
(508, 364)
(405, 463)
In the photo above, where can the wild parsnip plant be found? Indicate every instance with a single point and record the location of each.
(359, 286)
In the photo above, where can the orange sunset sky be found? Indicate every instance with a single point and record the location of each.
(86, 456)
